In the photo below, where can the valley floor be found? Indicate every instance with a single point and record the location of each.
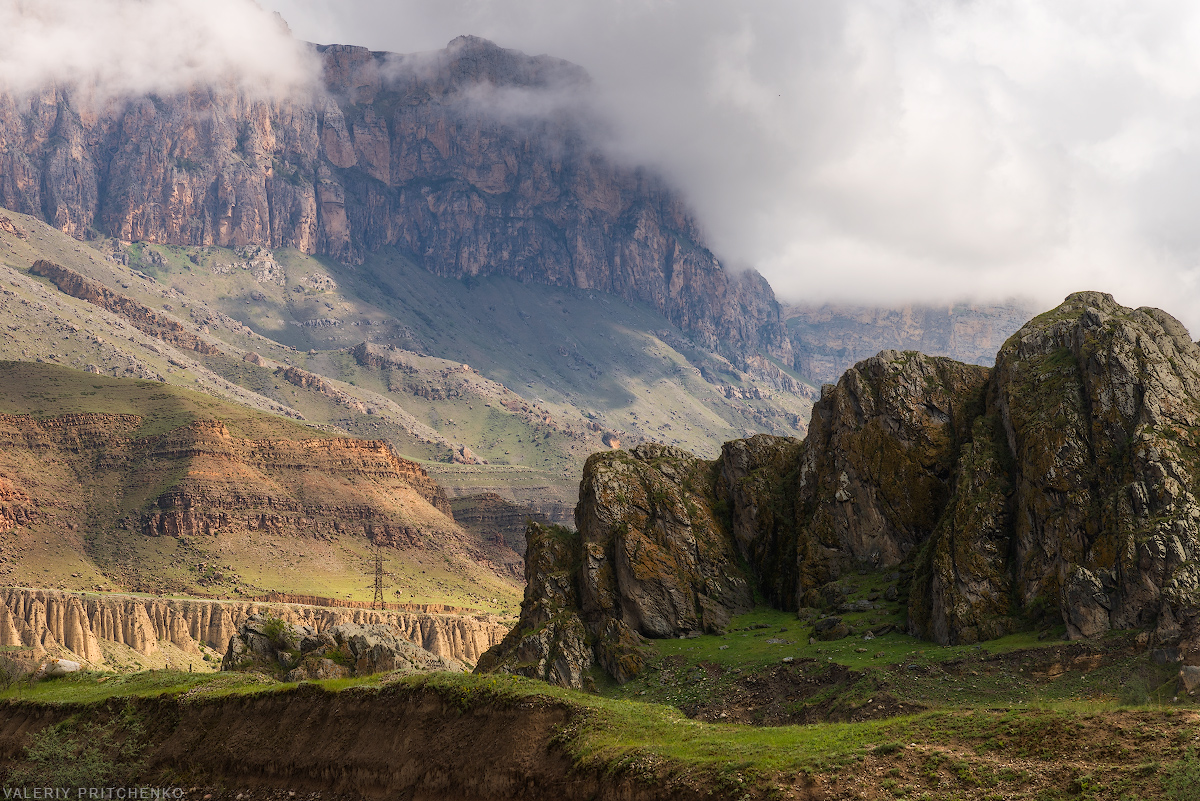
(756, 713)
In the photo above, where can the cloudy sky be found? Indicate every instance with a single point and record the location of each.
(875, 151)
(884, 149)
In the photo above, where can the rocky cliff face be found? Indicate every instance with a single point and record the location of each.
(650, 559)
(1099, 408)
(830, 339)
(1058, 486)
(423, 152)
(75, 624)
(107, 485)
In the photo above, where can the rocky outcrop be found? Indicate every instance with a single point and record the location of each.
(419, 152)
(650, 559)
(1099, 407)
(10, 227)
(655, 561)
(298, 652)
(16, 507)
(550, 641)
(1059, 486)
(49, 621)
(877, 465)
(145, 319)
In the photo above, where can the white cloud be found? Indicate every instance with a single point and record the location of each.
(882, 150)
(148, 46)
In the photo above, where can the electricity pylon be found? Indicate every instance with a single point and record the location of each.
(378, 602)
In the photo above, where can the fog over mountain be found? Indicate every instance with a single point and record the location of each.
(885, 150)
(879, 152)
(120, 47)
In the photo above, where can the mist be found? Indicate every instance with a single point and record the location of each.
(888, 150)
(132, 47)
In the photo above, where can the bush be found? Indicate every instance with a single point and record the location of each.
(275, 630)
(72, 754)
(12, 670)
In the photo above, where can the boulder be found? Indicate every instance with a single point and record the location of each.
(58, 667)
(1189, 679)
(298, 652)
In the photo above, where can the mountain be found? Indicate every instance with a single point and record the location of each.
(378, 350)
(1056, 488)
(428, 153)
(828, 340)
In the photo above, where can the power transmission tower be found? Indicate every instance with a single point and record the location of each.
(378, 602)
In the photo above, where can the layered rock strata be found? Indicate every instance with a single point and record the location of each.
(145, 319)
(215, 480)
(48, 621)
(420, 152)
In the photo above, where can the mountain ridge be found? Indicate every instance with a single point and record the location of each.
(391, 152)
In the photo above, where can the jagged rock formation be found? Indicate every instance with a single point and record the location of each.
(141, 316)
(391, 150)
(1058, 486)
(550, 641)
(648, 561)
(49, 621)
(830, 339)
(296, 652)
(1097, 407)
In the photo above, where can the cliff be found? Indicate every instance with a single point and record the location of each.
(163, 504)
(74, 624)
(201, 478)
(421, 152)
(1057, 487)
(827, 340)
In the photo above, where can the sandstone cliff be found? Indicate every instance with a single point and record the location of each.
(106, 486)
(49, 621)
(420, 152)
(204, 478)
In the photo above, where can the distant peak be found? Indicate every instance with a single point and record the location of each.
(469, 42)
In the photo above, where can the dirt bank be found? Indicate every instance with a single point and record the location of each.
(395, 742)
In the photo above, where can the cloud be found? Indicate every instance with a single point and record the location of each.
(886, 150)
(124, 47)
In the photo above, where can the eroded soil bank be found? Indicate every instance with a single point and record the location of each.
(394, 742)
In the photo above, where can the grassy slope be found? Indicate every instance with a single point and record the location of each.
(570, 352)
(97, 554)
(1062, 750)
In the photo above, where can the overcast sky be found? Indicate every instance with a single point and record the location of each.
(875, 151)
(885, 149)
